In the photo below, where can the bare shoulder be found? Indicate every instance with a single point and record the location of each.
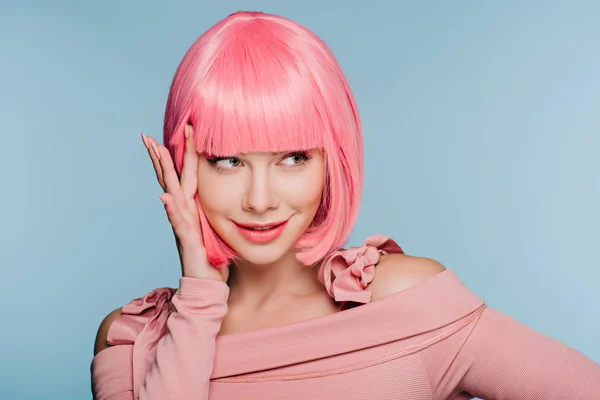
(101, 343)
(397, 272)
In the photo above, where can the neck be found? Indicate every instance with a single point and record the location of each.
(258, 286)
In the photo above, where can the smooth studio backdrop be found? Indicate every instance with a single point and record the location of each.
(481, 124)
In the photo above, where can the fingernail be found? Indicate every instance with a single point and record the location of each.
(155, 150)
(145, 140)
(160, 196)
(187, 134)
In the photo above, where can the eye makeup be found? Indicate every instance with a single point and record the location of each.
(304, 155)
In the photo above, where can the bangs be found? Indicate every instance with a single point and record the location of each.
(257, 96)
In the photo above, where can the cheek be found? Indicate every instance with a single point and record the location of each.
(216, 195)
(304, 190)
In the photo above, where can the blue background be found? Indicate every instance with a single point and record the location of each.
(481, 130)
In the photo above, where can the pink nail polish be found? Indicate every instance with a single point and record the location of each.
(145, 140)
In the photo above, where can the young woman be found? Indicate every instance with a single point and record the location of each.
(262, 170)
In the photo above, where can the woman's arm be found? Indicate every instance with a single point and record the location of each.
(186, 353)
(182, 362)
(498, 357)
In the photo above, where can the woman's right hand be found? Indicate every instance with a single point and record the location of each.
(181, 207)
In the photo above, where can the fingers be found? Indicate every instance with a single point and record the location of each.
(166, 174)
(189, 174)
(169, 175)
(152, 148)
(173, 213)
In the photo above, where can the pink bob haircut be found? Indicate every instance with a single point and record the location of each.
(258, 82)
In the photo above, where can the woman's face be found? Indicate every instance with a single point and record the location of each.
(261, 188)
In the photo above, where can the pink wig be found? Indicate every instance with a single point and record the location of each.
(257, 82)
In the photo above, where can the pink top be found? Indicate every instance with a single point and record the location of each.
(435, 340)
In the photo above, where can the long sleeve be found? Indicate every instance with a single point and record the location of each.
(163, 348)
(498, 357)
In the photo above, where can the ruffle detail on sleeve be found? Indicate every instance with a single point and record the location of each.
(142, 323)
(346, 273)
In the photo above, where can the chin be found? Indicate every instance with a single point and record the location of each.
(262, 255)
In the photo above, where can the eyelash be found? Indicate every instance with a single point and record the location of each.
(305, 158)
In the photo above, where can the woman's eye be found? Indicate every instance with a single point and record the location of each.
(296, 159)
(228, 162)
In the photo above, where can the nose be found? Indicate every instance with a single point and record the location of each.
(260, 196)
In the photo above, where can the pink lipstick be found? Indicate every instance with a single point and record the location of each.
(261, 233)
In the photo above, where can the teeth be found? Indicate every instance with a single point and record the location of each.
(262, 229)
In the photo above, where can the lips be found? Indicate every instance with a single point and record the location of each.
(261, 233)
(260, 226)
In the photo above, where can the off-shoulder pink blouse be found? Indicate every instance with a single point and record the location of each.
(435, 340)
